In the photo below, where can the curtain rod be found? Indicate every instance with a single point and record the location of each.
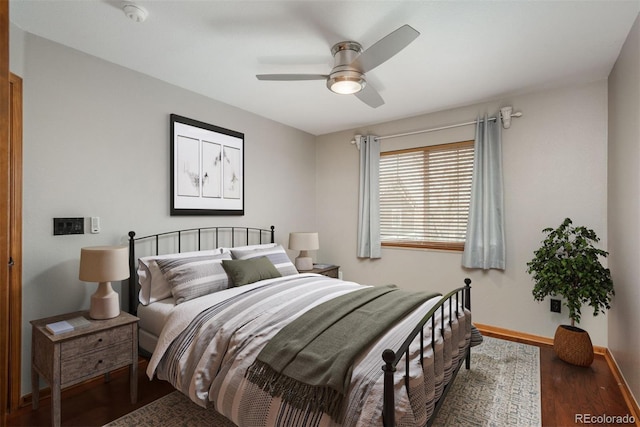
(505, 115)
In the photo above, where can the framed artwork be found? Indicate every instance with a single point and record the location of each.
(207, 169)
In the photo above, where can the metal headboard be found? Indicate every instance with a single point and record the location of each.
(191, 239)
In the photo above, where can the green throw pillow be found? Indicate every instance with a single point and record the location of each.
(245, 271)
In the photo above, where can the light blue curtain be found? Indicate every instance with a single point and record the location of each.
(369, 198)
(485, 243)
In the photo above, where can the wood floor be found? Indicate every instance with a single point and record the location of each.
(568, 393)
(571, 394)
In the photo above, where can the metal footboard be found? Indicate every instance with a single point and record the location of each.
(392, 358)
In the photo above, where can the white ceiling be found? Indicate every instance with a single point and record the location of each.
(468, 51)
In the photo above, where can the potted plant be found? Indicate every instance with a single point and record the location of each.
(568, 265)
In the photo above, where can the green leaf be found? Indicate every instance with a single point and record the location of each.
(568, 264)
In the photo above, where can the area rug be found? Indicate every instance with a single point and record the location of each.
(502, 388)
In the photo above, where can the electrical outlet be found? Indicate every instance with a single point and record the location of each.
(556, 306)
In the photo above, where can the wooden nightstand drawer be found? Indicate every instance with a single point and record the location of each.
(89, 365)
(86, 344)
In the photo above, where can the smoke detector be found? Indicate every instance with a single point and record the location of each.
(134, 12)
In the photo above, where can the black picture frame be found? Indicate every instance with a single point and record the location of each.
(207, 168)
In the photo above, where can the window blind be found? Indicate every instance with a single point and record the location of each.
(425, 194)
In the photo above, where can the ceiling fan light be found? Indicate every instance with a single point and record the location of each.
(346, 85)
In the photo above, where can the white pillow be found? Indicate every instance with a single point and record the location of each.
(276, 254)
(248, 247)
(153, 286)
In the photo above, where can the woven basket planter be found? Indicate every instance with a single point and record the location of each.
(573, 345)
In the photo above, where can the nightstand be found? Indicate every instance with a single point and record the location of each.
(326, 270)
(72, 357)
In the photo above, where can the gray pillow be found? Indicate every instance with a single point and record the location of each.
(194, 277)
(276, 255)
(245, 271)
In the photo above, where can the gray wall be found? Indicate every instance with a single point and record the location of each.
(624, 208)
(96, 143)
(554, 167)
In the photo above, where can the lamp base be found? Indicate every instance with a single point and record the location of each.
(105, 303)
(304, 263)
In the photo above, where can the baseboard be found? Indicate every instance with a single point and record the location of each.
(508, 334)
(631, 402)
(522, 337)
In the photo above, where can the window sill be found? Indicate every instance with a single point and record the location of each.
(453, 247)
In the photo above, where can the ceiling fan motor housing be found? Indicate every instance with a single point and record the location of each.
(344, 78)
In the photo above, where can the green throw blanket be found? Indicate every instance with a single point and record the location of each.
(309, 362)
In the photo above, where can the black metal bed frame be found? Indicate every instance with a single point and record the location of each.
(390, 357)
(252, 235)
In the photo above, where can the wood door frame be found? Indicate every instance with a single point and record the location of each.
(4, 209)
(10, 228)
(15, 243)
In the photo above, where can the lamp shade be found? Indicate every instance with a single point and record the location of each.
(104, 263)
(304, 241)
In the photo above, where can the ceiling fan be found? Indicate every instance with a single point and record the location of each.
(351, 63)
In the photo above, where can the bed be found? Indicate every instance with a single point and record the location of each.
(227, 319)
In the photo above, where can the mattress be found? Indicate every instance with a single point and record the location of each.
(152, 319)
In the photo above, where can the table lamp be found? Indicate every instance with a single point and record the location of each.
(304, 241)
(104, 264)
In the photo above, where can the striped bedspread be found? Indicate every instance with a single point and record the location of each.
(209, 343)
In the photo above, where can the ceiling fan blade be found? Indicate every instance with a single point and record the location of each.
(370, 96)
(291, 77)
(385, 48)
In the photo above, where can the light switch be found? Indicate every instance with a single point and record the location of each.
(95, 224)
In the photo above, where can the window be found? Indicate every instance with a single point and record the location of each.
(424, 196)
